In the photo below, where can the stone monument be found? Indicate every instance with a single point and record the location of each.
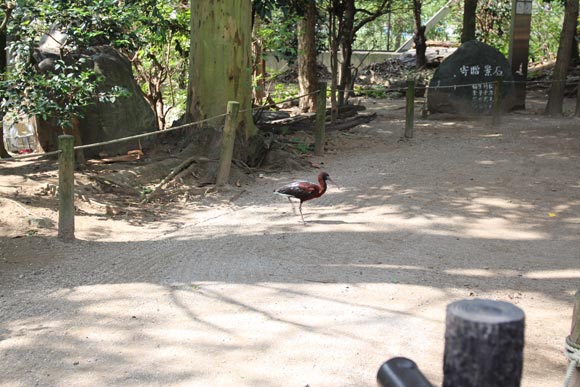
(464, 83)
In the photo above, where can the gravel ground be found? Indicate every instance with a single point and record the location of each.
(243, 294)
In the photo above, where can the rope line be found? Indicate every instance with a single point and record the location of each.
(20, 157)
(147, 134)
(539, 82)
(30, 156)
(260, 108)
(572, 352)
(428, 87)
(138, 136)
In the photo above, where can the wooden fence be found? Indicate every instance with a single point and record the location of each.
(66, 161)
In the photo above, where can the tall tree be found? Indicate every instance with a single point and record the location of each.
(161, 53)
(350, 22)
(469, 15)
(220, 60)
(269, 34)
(296, 29)
(5, 11)
(419, 36)
(307, 68)
(492, 22)
(347, 34)
(258, 65)
(556, 95)
(335, 11)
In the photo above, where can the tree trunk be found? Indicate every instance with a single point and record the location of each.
(3, 152)
(469, 12)
(575, 53)
(160, 113)
(154, 75)
(346, 40)
(3, 59)
(556, 96)
(74, 131)
(389, 32)
(155, 99)
(259, 71)
(419, 36)
(220, 61)
(333, 48)
(307, 69)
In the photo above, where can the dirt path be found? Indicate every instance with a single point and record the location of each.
(242, 294)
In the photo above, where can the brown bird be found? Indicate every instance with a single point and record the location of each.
(304, 191)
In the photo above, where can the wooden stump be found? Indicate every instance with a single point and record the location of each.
(484, 343)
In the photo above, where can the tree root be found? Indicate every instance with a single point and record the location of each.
(175, 172)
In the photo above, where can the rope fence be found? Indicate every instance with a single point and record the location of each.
(30, 156)
(460, 85)
(114, 141)
(259, 109)
(66, 151)
(154, 133)
(138, 136)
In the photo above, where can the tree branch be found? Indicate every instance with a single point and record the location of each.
(380, 11)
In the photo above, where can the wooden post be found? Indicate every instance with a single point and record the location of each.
(66, 190)
(575, 338)
(410, 109)
(424, 110)
(497, 97)
(319, 135)
(484, 342)
(519, 48)
(228, 140)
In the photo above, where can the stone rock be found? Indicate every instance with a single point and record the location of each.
(102, 121)
(128, 116)
(464, 83)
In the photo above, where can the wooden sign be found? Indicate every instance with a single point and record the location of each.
(519, 48)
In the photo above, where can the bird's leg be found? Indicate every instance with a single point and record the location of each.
(292, 204)
(300, 208)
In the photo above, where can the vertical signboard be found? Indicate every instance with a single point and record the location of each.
(519, 48)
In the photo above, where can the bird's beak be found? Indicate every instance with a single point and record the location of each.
(334, 183)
